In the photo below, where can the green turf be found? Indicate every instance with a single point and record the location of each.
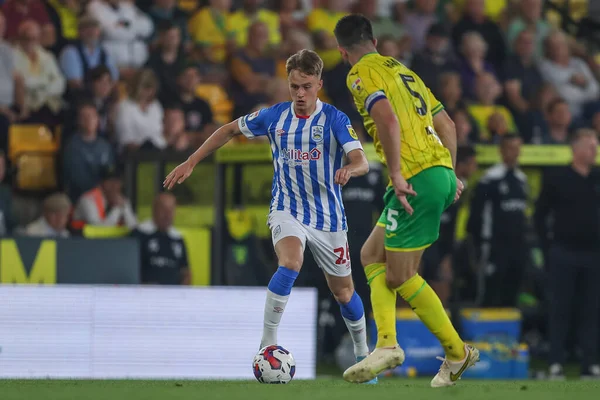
(322, 389)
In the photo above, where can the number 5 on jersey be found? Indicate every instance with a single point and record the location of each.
(392, 224)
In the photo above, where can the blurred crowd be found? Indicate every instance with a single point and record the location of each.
(111, 77)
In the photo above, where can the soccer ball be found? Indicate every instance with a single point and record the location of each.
(274, 364)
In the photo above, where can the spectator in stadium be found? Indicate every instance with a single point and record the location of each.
(418, 22)
(382, 25)
(86, 155)
(174, 129)
(11, 88)
(475, 20)
(198, 115)
(7, 215)
(473, 63)
(498, 224)
(294, 41)
(139, 117)
(251, 70)
(84, 54)
(465, 133)
(387, 46)
(104, 205)
(167, 13)
(17, 12)
(492, 120)
(439, 264)
(321, 22)
(124, 31)
(210, 29)
(450, 91)
(522, 78)
(571, 76)
(163, 252)
(54, 220)
(537, 124)
(558, 122)
(167, 59)
(530, 19)
(64, 15)
(292, 15)
(570, 198)
(253, 11)
(44, 83)
(435, 58)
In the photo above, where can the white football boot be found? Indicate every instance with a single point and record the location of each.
(381, 359)
(451, 371)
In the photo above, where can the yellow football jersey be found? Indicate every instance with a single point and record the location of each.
(376, 77)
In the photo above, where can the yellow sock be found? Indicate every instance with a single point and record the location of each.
(383, 301)
(427, 305)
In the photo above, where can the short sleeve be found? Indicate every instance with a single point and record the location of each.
(255, 124)
(366, 87)
(345, 134)
(184, 263)
(436, 105)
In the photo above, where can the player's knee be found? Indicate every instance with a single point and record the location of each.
(293, 263)
(343, 295)
(395, 279)
(369, 255)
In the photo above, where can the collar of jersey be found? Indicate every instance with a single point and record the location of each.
(366, 55)
(318, 109)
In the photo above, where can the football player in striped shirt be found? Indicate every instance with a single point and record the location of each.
(309, 140)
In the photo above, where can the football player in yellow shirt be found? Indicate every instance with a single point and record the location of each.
(416, 139)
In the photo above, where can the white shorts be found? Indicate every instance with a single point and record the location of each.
(329, 249)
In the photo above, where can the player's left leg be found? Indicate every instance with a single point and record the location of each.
(289, 238)
(330, 250)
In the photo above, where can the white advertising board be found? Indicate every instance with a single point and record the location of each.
(146, 332)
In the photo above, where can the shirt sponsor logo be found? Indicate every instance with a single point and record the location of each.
(295, 156)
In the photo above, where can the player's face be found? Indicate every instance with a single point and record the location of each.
(303, 90)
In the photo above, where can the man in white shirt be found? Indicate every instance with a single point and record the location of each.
(54, 219)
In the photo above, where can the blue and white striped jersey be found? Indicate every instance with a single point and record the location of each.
(307, 151)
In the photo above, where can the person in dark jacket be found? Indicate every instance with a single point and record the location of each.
(497, 225)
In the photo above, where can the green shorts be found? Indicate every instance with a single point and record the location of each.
(436, 188)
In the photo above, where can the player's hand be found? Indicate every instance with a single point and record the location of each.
(459, 189)
(403, 189)
(179, 174)
(342, 176)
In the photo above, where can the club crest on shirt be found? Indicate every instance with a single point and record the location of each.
(177, 249)
(352, 132)
(316, 133)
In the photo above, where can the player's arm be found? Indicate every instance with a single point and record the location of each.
(444, 127)
(249, 125)
(346, 136)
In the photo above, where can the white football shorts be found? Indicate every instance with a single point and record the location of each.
(329, 249)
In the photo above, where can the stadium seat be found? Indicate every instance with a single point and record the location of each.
(104, 232)
(32, 149)
(188, 5)
(218, 100)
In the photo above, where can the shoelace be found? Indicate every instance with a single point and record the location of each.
(444, 362)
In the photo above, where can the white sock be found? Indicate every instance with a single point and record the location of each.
(274, 307)
(358, 332)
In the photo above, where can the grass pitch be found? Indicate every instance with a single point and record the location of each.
(321, 389)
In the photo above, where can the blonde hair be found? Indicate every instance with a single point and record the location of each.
(144, 78)
(307, 62)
